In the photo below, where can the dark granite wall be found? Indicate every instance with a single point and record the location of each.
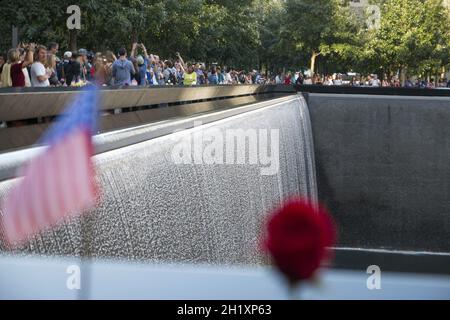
(383, 168)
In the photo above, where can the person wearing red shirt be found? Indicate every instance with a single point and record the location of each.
(287, 80)
(17, 66)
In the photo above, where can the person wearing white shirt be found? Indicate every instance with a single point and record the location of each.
(27, 77)
(308, 81)
(39, 75)
(279, 79)
(228, 79)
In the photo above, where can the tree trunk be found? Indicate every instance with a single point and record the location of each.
(15, 36)
(73, 40)
(313, 64)
(403, 76)
(312, 67)
(134, 38)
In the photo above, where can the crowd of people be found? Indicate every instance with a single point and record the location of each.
(31, 65)
(358, 81)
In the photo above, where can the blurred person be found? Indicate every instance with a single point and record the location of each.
(308, 81)
(317, 80)
(287, 79)
(256, 77)
(242, 78)
(72, 69)
(84, 65)
(60, 67)
(122, 69)
(39, 74)
(2, 62)
(279, 78)
(50, 67)
(249, 78)
(136, 77)
(110, 59)
(179, 72)
(200, 74)
(338, 80)
(299, 80)
(422, 84)
(142, 63)
(232, 76)
(396, 82)
(26, 71)
(159, 73)
(365, 81)
(5, 78)
(259, 78)
(374, 81)
(181, 67)
(213, 78)
(151, 74)
(409, 83)
(100, 70)
(228, 79)
(169, 72)
(329, 81)
(220, 76)
(355, 82)
(89, 65)
(151, 70)
(190, 76)
(19, 64)
(205, 76)
(53, 48)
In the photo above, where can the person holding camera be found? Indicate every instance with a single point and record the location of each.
(19, 62)
(142, 62)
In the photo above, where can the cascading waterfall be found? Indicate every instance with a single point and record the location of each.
(154, 209)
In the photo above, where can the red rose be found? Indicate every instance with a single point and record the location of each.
(297, 237)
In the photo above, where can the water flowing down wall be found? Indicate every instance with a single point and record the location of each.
(155, 209)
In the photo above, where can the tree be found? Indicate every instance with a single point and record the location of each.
(318, 27)
(413, 37)
(324, 34)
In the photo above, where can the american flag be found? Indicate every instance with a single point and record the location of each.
(60, 182)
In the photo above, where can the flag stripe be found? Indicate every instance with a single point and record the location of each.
(37, 177)
(54, 192)
(49, 194)
(66, 187)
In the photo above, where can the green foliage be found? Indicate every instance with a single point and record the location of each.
(268, 34)
(413, 36)
(319, 28)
